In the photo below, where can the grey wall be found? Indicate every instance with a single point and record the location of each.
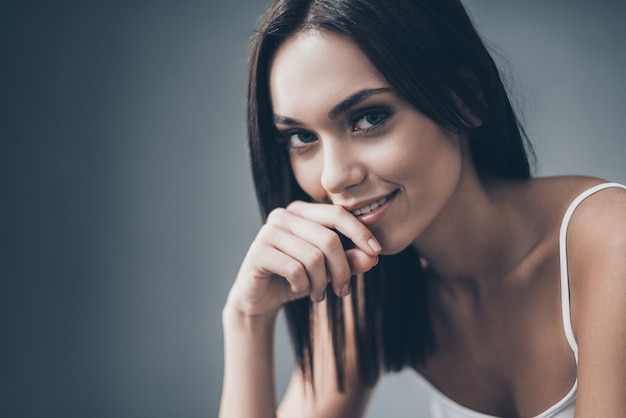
(127, 204)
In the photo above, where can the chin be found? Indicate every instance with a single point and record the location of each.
(393, 251)
(391, 246)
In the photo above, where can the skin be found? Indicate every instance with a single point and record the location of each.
(491, 244)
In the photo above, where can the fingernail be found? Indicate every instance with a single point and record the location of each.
(345, 290)
(374, 245)
(321, 297)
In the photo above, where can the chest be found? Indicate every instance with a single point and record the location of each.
(508, 357)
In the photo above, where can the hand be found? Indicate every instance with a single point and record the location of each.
(297, 253)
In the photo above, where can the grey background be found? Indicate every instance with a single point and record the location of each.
(126, 201)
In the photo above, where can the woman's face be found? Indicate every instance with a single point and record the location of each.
(353, 141)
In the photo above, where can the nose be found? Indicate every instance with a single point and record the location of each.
(342, 167)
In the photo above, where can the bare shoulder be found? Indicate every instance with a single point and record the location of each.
(596, 236)
(596, 258)
(596, 247)
(544, 200)
(560, 190)
(597, 229)
(545, 193)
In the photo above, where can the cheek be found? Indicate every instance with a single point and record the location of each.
(308, 174)
(403, 159)
(402, 162)
(431, 155)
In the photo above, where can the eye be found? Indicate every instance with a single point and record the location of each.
(370, 120)
(299, 138)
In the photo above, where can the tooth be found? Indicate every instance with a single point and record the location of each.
(370, 207)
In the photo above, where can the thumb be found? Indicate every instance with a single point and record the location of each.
(359, 261)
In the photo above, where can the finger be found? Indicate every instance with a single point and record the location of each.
(327, 241)
(336, 217)
(359, 261)
(310, 256)
(270, 261)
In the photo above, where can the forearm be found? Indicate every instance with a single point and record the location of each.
(249, 389)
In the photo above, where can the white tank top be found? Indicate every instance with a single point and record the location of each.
(443, 407)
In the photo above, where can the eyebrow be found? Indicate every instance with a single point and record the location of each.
(284, 120)
(343, 106)
(354, 100)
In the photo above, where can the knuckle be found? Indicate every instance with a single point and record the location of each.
(295, 269)
(275, 215)
(266, 233)
(265, 229)
(330, 240)
(294, 205)
(299, 285)
(316, 256)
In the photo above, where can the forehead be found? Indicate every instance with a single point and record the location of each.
(315, 70)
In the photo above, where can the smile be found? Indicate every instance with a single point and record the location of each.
(372, 206)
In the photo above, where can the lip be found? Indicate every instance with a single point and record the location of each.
(373, 208)
(363, 203)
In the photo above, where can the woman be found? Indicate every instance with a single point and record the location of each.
(403, 229)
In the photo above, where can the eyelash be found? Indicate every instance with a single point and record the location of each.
(285, 136)
(385, 113)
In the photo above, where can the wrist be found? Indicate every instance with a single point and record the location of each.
(241, 318)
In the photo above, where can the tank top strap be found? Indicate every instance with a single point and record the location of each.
(565, 293)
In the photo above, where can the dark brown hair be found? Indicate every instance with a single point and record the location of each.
(431, 54)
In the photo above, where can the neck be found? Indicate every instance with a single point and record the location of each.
(470, 242)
